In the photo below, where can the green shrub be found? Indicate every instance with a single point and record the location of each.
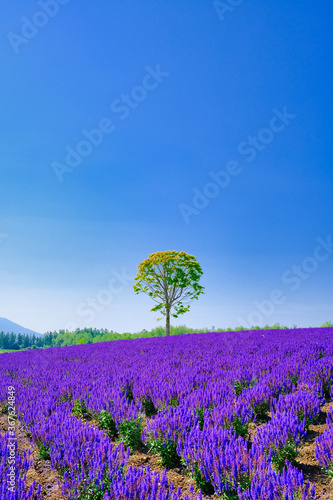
(43, 451)
(241, 429)
(127, 391)
(200, 412)
(149, 407)
(239, 385)
(80, 410)
(205, 486)
(5, 409)
(107, 423)
(287, 452)
(130, 433)
(260, 410)
(167, 451)
(174, 402)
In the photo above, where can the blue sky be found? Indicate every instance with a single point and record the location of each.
(214, 139)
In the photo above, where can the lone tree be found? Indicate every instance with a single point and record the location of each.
(172, 280)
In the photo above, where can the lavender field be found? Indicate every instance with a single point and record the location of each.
(221, 415)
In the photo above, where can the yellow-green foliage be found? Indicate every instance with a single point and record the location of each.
(169, 278)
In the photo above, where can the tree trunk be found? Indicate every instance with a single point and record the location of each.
(167, 324)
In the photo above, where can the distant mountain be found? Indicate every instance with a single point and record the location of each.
(9, 326)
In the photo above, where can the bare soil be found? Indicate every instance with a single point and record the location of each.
(308, 463)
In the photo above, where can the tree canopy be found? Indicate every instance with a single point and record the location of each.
(171, 279)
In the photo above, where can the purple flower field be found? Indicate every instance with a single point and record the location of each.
(228, 409)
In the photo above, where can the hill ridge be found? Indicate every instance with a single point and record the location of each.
(8, 326)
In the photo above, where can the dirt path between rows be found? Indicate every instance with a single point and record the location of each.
(308, 463)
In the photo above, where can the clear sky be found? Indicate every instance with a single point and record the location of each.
(140, 126)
